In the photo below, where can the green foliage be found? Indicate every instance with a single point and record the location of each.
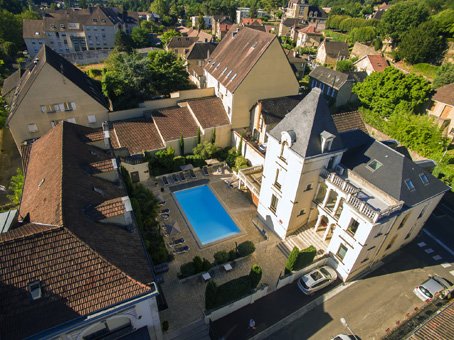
(334, 21)
(232, 255)
(168, 35)
(213, 136)
(123, 42)
(178, 161)
(291, 260)
(232, 154)
(383, 92)
(378, 44)
(426, 70)
(205, 150)
(345, 66)
(445, 20)
(240, 163)
(199, 138)
(181, 145)
(227, 292)
(140, 37)
(307, 50)
(163, 161)
(401, 18)
(255, 275)
(187, 269)
(287, 43)
(349, 24)
(11, 28)
(197, 265)
(3, 112)
(16, 186)
(305, 258)
(161, 7)
(195, 160)
(245, 248)
(221, 257)
(210, 295)
(444, 76)
(363, 34)
(424, 43)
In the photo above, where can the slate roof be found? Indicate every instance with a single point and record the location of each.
(237, 54)
(174, 122)
(336, 48)
(346, 121)
(209, 112)
(275, 109)
(439, 326)
(58, 191)
(75, 280)
(445, 94)
(395, 169)
(200, 50)
(308, 120)
(47, 56)
(297, 22)
(334, 79)
(137, 135)
(182, 42)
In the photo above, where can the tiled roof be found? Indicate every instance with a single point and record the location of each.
(33, 29)
(200, 50)
(346, 121)
(94, 135)
(57, 191)
(439, 326)
(237, 54)
(209, 112)
(251, 21)
(378, 62)
(103, 166)
(75, 280)
(174, 122)
(336, 49)
(333, 78)
(445, 94)
(360, 50)
(111, 208)
(309, 30)
(25, 150)
(182, 42)
(137, 135)
(201, 35)
(275, 109)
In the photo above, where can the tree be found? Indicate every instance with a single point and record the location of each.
(83, 4)
(213, 136)
(200, 22)
(140, 37)
(16, 186)
(253, 9)
(168, 35)
(383, 92)
(363, 34)
(199, 137)
(11, 28)
(445, 75)
(122, 42)
(423, 44)
(291, 260)
(445, 20)
(401, 17)
(181, 145)
(345, 66)
(240, 163)
(205, 150)
(255, 275)
(13, 6)
(160, 7)
(210, 295)
(3, 111)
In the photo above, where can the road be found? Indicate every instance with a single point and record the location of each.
(375, 303)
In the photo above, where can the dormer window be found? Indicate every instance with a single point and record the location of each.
(327, 141)
(35, 290)
(424, 178)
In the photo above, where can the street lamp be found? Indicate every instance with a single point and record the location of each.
(345, 324)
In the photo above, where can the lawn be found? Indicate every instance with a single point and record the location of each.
(426, 70)
(336, 35)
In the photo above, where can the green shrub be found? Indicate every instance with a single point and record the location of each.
(165, 326)
(305, 258)
(221, 257)
(179, 161)
(187, 269)
(210, 295)
(246, 248)
(232, 255)
(291, 260)
(231, 291)
(195, 160)
(198, 264)
(255, 275)
(206, 265)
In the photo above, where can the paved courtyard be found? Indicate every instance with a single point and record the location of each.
(186, 298)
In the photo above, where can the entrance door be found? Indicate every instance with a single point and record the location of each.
(135, 177)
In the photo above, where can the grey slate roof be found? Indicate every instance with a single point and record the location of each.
(395, 169)
(182, 42)
(335, 79)
(275, 109)
(308, 120)
(200, 50)
(336, 48)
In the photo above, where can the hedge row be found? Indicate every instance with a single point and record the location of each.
(297, 259)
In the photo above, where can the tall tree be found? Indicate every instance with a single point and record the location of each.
(122, 42)
(16, 186)
(445, 75)
(160, 7)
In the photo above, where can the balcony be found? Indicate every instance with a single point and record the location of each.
(251, 178)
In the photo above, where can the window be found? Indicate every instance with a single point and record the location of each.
(32, 127)
(353, 226)
(402, 223)
(229, 111)
(422, 212)
(276, 180)
(283, 149)
(392, 242)
(301, 212)
(274, 202)
(91, 119)
(373, 165)
(341, 252)
(409, 184)
(308, 187)
(424, 178)
(35, 290)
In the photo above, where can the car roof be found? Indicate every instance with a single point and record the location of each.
(434, 284)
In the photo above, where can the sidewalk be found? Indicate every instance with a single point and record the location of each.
(266, 312)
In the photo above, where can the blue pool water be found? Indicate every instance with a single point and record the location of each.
(206, 215)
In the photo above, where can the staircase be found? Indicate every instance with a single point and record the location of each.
(197, 330)
(303, 238)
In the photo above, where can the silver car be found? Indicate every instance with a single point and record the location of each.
(433, 286)
(317, 279)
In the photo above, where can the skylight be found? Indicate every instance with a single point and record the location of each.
(409, 184)
(374, 165)
(424, 178)
(35, 290)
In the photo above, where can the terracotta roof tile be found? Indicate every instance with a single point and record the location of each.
(440, 326)
(209, 112)
(445, 94)
(75, 280)
(174, 122)
(346, 121)
(106, 165)
(111, 208)
(378, 62)
(137, 135)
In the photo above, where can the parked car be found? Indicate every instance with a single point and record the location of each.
(345, 337)
(433, 286)
(317, 279)
(262, 147)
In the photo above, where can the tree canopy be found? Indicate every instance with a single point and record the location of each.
(168, 35)
(445, 75)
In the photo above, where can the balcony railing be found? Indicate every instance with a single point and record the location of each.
(245, 176)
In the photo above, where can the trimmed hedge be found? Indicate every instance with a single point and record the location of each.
(197, 265)
(297, 259)
(291, 260)
(255, 275)
(245, 248)
(221, 257)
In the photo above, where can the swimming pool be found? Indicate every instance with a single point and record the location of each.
(207, 216)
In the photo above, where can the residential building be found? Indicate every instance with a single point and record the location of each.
(298, 63)
(360, 50)
(88, 272)
(206, 21)
(195, 62)
(50, 90)
(309, 36)
(371, 63)
(201, 35)
(335, 85)
(77, 30)
(220, 25)
(338, 187)
(246, 66)
(330, 52)
(443, 108)
(181, 45)
(244, 12)
(289, 27)
(301, 9)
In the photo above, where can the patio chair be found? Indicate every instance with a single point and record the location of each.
(165, 211)
(165, 216)
(165, 180)
(181, 250)
(205, 171)
(175, 178)
(176, 242)
(192, 173)
(182, 178)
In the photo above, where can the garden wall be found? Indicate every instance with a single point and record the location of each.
(249, 151)
(297, 274)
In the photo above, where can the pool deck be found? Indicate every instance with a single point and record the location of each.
(186, 299)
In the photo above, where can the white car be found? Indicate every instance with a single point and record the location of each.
(433, 286)
(317, 279)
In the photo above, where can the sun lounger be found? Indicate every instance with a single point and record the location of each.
(176, 242)
(161, 203)
(165, 211)
(165, 216)
(205, 171)
(165, 180)
(175, 178)
(182, 176)
(193, 175)
(181, 250)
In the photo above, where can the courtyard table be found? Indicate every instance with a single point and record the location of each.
(206, 277)
(227, 267)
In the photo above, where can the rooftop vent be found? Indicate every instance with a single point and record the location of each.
(327, 140)
(41, 182)
(35, 290)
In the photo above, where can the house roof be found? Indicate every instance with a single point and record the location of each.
(445, 94)
(291, 22)
(33, 29)
(395, 169)
(237, 54)
(275, 109)
(200, 50)
(311, 29)
(105, 165)
(439, 326)
(174, 122)
(137, 135)
(201, 35)
(251, 21)
(333, 78)
(46, 56)
(209, 112)
(59, 191)
(336, 48)
(182, 42)
(75, 280)
(346, 121)
(10, 85)
(110, 208)
(378, 62)
(360, 50)
(308, 120)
